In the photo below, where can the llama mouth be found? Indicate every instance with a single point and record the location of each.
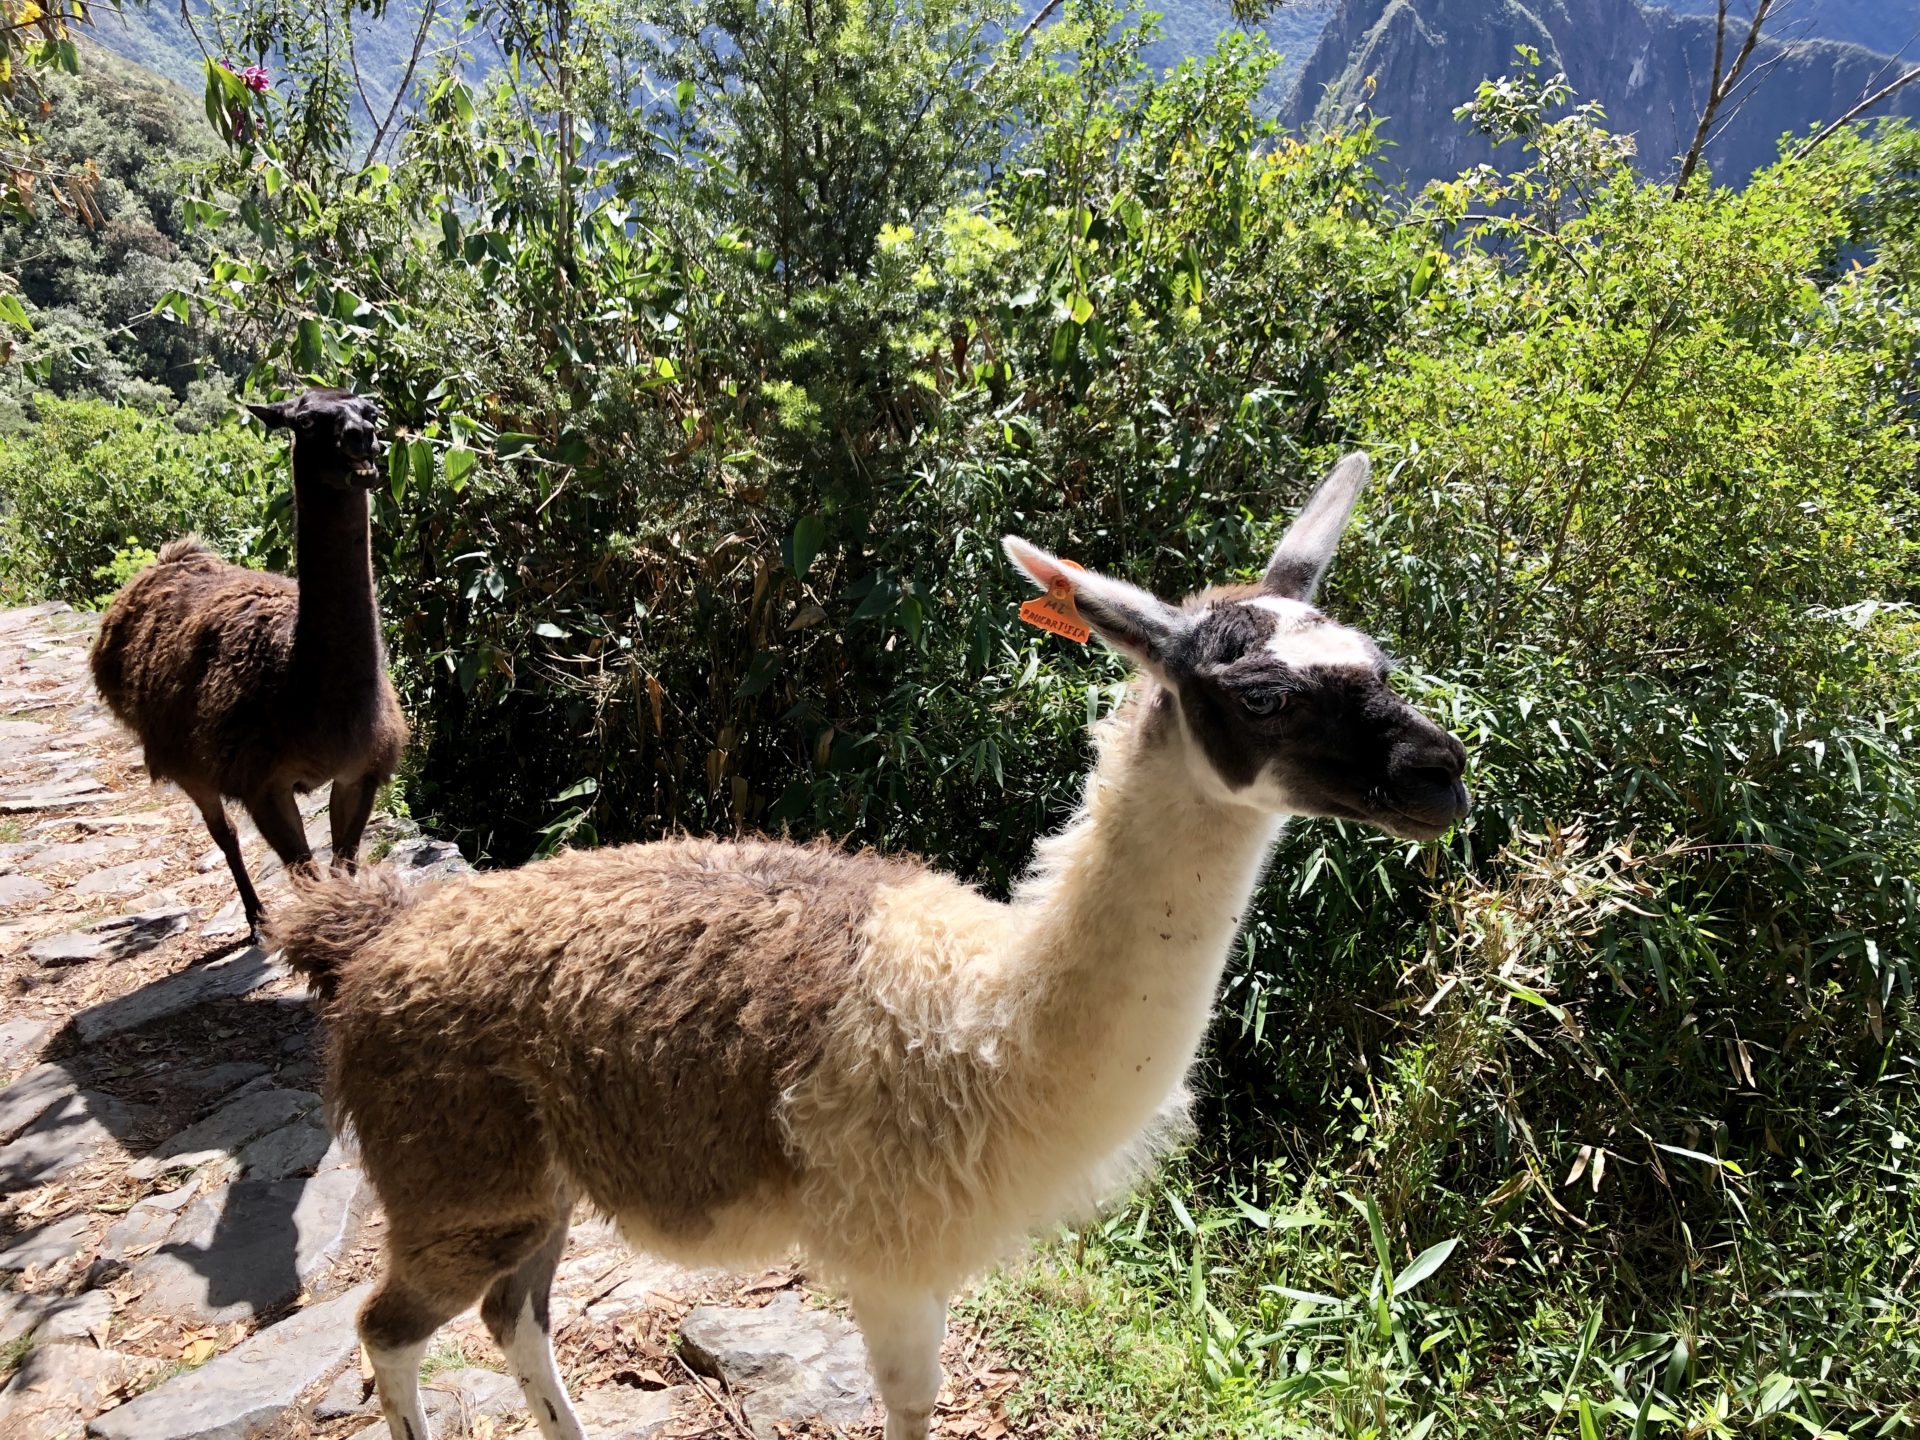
(365, 471)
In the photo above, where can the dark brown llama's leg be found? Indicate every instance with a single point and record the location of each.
(214, 811)
(347, 811)
(277, 814)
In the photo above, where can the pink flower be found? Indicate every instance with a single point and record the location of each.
(254, 77)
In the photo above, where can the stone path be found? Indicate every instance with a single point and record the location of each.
(183, 1242)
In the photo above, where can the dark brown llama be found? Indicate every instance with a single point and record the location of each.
(252, 685)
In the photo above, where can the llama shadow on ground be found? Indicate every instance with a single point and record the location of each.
(205, 1242)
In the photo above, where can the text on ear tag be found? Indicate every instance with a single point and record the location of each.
(1054, 612)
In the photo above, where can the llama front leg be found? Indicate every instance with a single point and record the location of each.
(517, 1315)
(903, 1330)
(214, 811)
(348, 809)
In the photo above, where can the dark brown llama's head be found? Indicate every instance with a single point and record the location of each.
(1278, 706)
(336, 436)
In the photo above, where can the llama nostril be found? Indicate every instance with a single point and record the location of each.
(1433, 777)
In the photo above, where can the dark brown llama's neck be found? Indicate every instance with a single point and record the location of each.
(337, 636)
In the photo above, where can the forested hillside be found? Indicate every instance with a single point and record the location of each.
(1413, 62)
(90, 280)
(710, 401)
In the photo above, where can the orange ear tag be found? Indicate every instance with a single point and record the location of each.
(1054, 612)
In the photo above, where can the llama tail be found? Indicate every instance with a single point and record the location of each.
(330, 919)
(187, 547)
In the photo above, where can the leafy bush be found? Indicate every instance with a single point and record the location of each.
(693, 520)
(92, 490)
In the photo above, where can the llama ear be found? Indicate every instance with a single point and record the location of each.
(1139, 625)
(1306, 550)
(277, 416)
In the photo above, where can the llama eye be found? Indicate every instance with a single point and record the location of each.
(1263, 702)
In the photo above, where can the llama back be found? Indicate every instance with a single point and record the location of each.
(180, 648)
(636, 1012)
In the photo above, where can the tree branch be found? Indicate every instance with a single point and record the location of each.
(406, 79)
(1853, 114)
(1722, 85)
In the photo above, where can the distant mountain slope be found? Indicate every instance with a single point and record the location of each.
(155, 37)
(1650, 68)
(1889, 27)
(1194, 27)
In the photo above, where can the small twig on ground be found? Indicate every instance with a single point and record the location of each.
(718, 1395)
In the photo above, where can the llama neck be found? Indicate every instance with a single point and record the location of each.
(1125, 926)
(337, 633)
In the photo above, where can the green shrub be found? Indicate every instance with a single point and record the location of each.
(92, 488)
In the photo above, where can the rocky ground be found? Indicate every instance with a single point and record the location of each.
(183, 1243)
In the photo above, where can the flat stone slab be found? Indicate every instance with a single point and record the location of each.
(81, 852)
(28, 1098)
(18, 1040)
(222, 1079)
(226, 979)
(790, 1363)
(247, 1247)
(68, 795)
(48, 1244)
(454, 1399)
(55, 1319)
(619, 1412)
(18, 892)
(58, 1386)
(115, 939)
(226, 1130)
(243, 1391)
(420, 861)
(294, 1149)
(122, 879)
(140, 819)
(71, 1133)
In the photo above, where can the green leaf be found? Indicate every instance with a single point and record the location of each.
(421, 461)
(459, 465)
(514, 442)
(588, 786)
(309, 345)
(547, 630)
(761, 671)
(14, 313)
(809, 534)
(1081, 309)
(683, 94)
(1423, 1265)
(1376, 1228)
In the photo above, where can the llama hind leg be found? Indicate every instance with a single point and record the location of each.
(395, 1325)
(428, 1281)
(277, 814)
(903, 1329)
(348, 809)
(517, 1316)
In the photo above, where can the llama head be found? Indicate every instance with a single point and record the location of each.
(1276, 705)
(336, 436)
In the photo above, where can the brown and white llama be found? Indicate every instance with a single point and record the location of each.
(256, 686)
(735, 1048)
